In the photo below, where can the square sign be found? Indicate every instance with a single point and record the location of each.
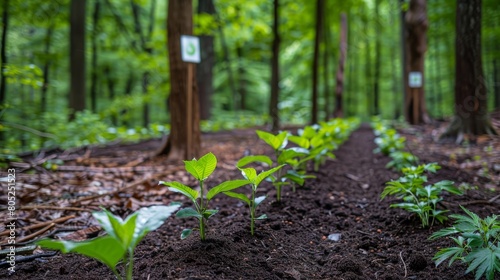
(190, 49)
(415, 79)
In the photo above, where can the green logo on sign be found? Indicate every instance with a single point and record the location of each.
(190, 48)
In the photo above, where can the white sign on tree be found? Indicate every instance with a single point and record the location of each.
(415, 79)
(190, 49)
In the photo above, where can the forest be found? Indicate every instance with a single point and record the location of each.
(366, 131)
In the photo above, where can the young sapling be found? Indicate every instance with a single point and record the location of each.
(251, 175)
(121, 239)
(201, 169)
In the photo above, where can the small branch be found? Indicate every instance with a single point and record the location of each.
(29, 129)
(39, 225)
(34, 234)
(404, 264)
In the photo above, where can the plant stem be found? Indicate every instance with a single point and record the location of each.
(202, 229)
(130, 266)
(115, 272)
(252, 213)
(202, 208)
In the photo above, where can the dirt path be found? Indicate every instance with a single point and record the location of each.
(374, 241)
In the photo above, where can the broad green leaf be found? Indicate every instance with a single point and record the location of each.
(121, 230)
(263, 175)
(308, 132)
(106, 249)
(269, 138)
(226, 186)
(249, 173)
(295, 177)
(259, 200)
(201, 169)
(287, 155)
(186, 232)
(185, 190)
(149, 219)
(301, 141)
(239, 196)
(251, 159)
(261, 217)
(187, 213)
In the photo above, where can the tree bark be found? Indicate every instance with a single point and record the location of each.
(326, 67)
(404, 59)
(376, 78)
(471, 107)
(93, 79)
(184, 141)
(273, 104)
(340, 70)
(204, 69)
(77, 57)
(496, 84)
(320, 5)
(416, 45)
(46, 69)
(3, 51)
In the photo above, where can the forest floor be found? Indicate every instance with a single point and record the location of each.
(374, 241)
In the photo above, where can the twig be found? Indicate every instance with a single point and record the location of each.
(404, 264)
(131, 185)
(39, 225)
(49, 207)
(29, 129)
(34, 234)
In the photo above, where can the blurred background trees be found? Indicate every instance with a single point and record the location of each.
(126, 80)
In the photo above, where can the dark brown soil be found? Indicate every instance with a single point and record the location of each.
(376, 242)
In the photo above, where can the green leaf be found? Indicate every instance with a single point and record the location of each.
(106, 249)
(251, 159)
(261, 217)
(186, 232)
(187, 213)
(259, 200)
(226, 186)
(121, 230)
(149, 219)
(201, 169)
(181, 188)
(249, 173)
(301, 141)
(263, 175)
(277, 142)
(452, 253)
(484, 261)
(209, 213)
(239, 196)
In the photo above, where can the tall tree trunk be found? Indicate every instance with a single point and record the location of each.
(368, 78)
(3, 51)
(184, 141)
(93, 79)
(496, 84)
(394, 81)
(340, 70)
(273, 105)
(320, 5)
(471, 107)
(129, 85)
(326, 64)
(46, 69)
(416, 27)
(111, 90)
(204, 69)
(376, 78)
(404, 60)
(241, 78)
(77, 57)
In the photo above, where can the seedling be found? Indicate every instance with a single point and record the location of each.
(201, 169)
(477, 244)
(401, 159)
(121, 239)
(389, 142)
(251, 175)
(417, 198)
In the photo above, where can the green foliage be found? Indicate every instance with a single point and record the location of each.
(476, 244)
(201, 169)
(401, 159)
(389, 142)
(121, 239)
(255, 179)
(28, 75)
(417, 198)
